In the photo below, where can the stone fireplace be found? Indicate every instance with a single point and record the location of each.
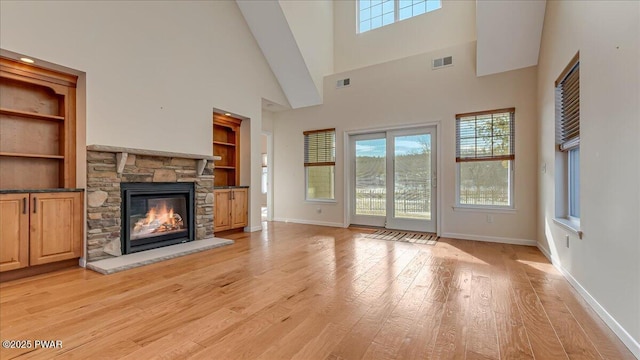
(181, 209)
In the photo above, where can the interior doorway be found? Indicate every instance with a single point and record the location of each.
(266, 188)
(393, 179)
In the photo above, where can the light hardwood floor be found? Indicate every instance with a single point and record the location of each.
(309, 292)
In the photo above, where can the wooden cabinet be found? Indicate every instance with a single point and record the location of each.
(56, 227)
(14, 231)
(40, 228)
(37, 127)
(222, 210)
(230, 209)
(239, 211)
(226, 144)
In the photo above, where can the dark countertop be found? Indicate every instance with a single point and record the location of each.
(230, 187)
(21, 191)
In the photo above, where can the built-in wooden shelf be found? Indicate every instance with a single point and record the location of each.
(223, 143)
(37, 127)
(31, 114)
(35, 156)
(226, 145)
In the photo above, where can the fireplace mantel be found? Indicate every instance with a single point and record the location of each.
(122, 153)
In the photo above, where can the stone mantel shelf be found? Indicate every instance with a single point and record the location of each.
(123, 152)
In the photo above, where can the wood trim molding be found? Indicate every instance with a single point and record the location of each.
(489, 158)
(228, 121)
(488, 112)
(309, 132)
(37, 73)
(37, 270)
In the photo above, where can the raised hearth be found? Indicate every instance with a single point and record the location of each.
(130, 261)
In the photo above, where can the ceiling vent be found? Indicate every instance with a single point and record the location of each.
(442, 62)
(343, 83)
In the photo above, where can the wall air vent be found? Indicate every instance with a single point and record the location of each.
(343, 82)
(442, 62)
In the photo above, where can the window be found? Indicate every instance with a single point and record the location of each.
(568, 140)
(373, 14)
(485, 151)
(319, 163)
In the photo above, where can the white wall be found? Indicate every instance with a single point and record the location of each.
(407, 91)
(154, 70)
(453, 24)
(605, 262)
(311, 23)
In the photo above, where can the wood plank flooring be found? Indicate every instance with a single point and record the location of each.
(309, 292)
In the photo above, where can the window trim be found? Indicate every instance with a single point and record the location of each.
(565, 144)
(510, 158)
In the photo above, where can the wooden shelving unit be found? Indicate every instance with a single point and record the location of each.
(41, 214)
(37, 127)
(226, 144)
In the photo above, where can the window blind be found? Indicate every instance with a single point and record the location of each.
(568, 107)
(320, 147)
(485, 135)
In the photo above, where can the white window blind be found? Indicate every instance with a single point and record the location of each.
(487, 135)
(320, 147)
(568, 107)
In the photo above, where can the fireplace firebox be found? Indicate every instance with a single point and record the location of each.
(156, 215)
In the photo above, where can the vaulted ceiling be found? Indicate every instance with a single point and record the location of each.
(508, 38)
(509, 34)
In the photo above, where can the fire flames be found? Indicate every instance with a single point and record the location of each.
(159, 219)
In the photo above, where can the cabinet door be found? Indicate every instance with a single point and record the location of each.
(14, 231)
(222, 211)
(239, 208)
(56, 227)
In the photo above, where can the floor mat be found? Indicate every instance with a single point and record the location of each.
(404, 236)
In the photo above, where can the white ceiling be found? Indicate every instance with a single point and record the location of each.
(271, 30)
(509, 34)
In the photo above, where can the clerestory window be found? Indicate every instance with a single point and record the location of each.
(373, 14)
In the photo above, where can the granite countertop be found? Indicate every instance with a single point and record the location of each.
(20, 191)
(230, 187)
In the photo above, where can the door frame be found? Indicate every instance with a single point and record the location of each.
(270, 198)
(348, 171)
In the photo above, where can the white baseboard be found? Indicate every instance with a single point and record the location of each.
(82, 262)
(547, 254)
(622, 334)
(495, 239)
(311, 222)
(252, 228)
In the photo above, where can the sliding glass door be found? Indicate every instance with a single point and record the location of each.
(393, 179)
